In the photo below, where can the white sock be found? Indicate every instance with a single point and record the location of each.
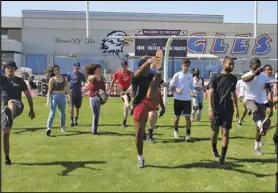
(141, 157)
(48, 129)
(257, 145)
(259, 123)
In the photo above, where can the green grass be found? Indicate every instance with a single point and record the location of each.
(79, 161)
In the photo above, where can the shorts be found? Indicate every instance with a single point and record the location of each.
(6, 114)
(19, 108)
(128, 95)
(182, 108)
(224, 120)
(141, 111)
(76, 101)
(257, 110)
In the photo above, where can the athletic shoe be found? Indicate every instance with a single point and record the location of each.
(150, 140)
(176, 134)
(96, 134)
(188, 138)
(63, 129)
(215, 154)
(123, 125)
(76, 124)
(239, 124)
(72, 124)
(265, 126)
(141, 163)
(48, 131)
(258, 152)
(8, 161)
(222, 160)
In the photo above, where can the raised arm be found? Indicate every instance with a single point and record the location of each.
(143, 67)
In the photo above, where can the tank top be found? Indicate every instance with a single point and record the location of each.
(197, 84)
(59, 86)
(96, 86)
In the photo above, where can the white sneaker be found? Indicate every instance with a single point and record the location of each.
(187, 138)
(176, 134)
(63, 129)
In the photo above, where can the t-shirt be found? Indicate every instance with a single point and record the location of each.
(123, 78)
(183, 81)
(241, 86)
(198, 84)
(12, 88)
(140, 87)
(223, 86)
(255, 89)
(75, 83)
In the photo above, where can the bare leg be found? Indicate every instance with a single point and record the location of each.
(225, 143)
(154, 86)
(188, 127)
(244, 113)
(214, 136)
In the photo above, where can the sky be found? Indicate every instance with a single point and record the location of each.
(233, 11)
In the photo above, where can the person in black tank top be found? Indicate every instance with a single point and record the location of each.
(145, 89)
(58, 85)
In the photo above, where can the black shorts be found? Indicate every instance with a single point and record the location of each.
(224, 119)
(182, 108)
(76, 101)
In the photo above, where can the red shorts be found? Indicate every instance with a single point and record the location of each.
(141, 111)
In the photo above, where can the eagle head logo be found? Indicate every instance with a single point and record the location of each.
(114, 46)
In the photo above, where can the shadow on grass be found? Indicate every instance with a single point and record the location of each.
(212, 165)
(103, 125)
(24, 130)
(195, 139)
(254, 160)
(68, 165)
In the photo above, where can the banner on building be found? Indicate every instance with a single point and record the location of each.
(149, 46)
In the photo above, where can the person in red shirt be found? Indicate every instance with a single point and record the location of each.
(123, 78)
(96, 84)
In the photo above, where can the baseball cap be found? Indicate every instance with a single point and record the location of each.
(10, 63)
(76, 64)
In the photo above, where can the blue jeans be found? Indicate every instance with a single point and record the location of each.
(60, 100)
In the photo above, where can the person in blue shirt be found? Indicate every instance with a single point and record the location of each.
(76, 81)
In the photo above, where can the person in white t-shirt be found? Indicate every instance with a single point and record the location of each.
(182, 85)
(241, 86)
(198, 95)
(256, 84)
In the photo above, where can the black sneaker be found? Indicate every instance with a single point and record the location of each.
(222, 161)
(8, 161)
(72, 124)
(76, 124)
(215, 154)
(124, 125)
(48, 131)
(141, 163)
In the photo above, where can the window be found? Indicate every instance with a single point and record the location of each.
(3, 36)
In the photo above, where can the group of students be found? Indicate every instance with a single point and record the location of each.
(144, 85)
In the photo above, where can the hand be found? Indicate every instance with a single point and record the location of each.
(47, 103)
(210, 115)
(150, 60)
(32, 114)
(206, 95)
(258, 71)
(162, 112)
(179, 91)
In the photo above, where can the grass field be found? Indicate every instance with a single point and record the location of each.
(78, 161)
